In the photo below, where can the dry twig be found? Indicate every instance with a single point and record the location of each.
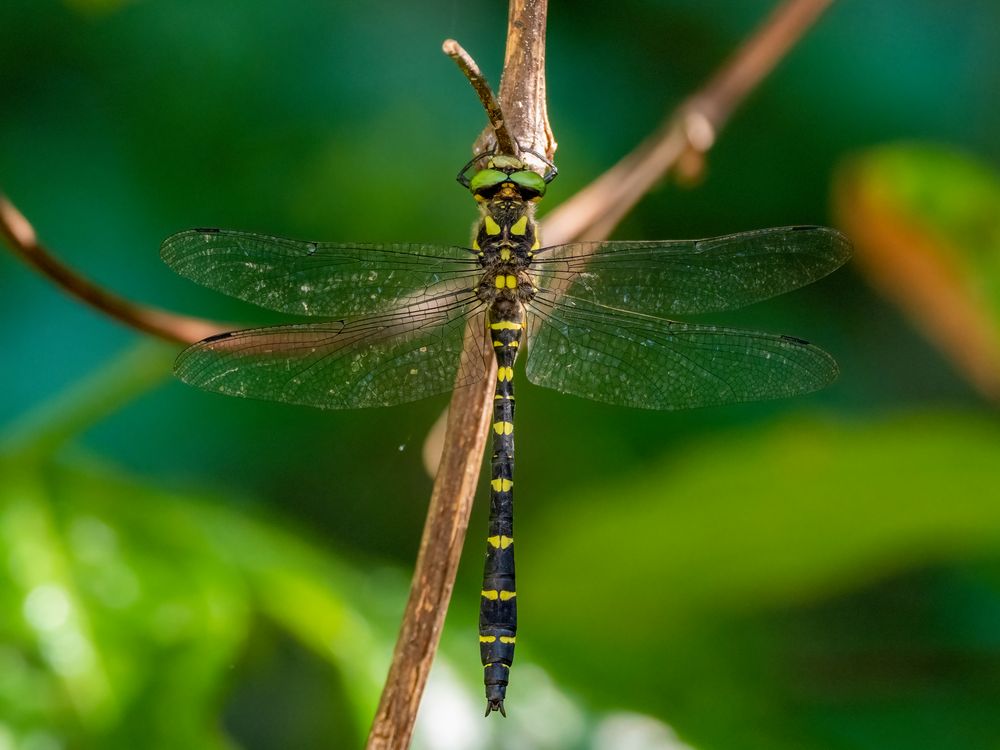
(687, 134)
(505, 143)
(23, 241)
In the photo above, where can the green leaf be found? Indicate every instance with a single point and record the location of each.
(697, 590)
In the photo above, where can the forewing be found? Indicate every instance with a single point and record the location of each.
(680, 277)
(393, 358)
(650, 363)
(317, 278)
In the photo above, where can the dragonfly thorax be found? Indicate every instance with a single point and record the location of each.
(506, 232)
(505, 240)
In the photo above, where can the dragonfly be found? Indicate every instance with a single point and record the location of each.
(401, 322)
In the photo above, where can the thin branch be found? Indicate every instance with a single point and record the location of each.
(490, 103)
(465, 437)
(918, 270)
(687, 135)
(23, 241)
(436, 567)
(522, 85)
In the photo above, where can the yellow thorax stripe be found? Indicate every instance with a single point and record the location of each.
(491, 226)
(502, 280)
(520, 226)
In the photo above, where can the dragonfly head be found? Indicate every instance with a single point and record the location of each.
(505, 177)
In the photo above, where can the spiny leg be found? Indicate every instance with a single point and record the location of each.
(498, 606)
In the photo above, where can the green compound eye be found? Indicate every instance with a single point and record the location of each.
(529, 180)
(486, 178)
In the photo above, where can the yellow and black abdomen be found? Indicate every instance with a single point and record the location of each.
(498, 606)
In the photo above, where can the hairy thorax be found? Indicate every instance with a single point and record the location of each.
(505, 241)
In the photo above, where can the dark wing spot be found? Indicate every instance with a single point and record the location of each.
(796, 340)
(218, 337)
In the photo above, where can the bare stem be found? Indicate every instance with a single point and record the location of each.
(436, 567)
(522, 85)
(23, 241)
(687, 134)
(491, 104)
(465, 436)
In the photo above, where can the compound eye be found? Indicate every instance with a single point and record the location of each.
(529, 182)
(485, 179)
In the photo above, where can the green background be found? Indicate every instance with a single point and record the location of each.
(179, 569)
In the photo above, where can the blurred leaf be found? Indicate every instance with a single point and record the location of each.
(926, 223)
(40, 432)
(687, 592)
(125, 608)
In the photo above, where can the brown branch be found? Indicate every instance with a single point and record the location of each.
(23, 241)
(522, 85)
(687, 134)
(436, 567)
(505, 143)
(919, 269)
(465, 438)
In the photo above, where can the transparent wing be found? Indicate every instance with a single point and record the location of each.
(404, 355)
(317, 278)
(634, 360)
(678, 277)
